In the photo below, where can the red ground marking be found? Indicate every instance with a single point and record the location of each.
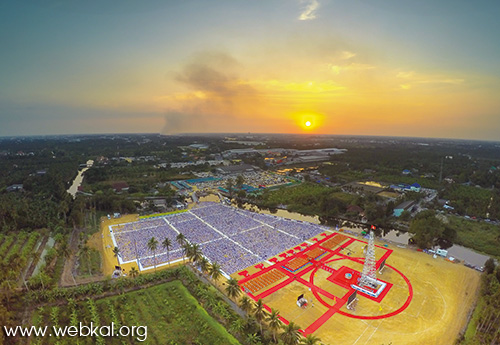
(275, 288)
(324, 318)
(244, 273)
(405, 305)
(340, 279)
(385, 256)
(317, 292)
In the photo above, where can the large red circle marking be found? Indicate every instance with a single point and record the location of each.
(376, 317)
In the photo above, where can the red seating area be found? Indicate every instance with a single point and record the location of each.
(263, 281)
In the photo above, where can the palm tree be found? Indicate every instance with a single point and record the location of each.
(116, 253)
(246, 304)
(310, 340)
(167, 244)
(233, 288)
(134, 272)
(152, 245)
(196, 253)
(274, 322)
(253, 338)
(291, 334)
(64, 249)
(214, 271)
(237, 326)
(259, 312)
(204, 264)
(181, 239)
(86, 251)
(186, 250)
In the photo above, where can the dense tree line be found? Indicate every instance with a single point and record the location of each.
(486, 322)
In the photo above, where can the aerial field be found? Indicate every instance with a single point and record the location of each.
(426, 300)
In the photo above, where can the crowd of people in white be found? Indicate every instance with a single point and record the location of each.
(232, 237)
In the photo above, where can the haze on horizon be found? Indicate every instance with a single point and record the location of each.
(386, 68)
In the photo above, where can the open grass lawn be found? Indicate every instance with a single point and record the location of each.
(172, 316)
(480, 236)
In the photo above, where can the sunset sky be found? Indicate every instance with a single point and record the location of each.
(374, 67)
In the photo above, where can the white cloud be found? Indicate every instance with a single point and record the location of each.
(418, 78)
(346, 55)
(309, 12)
(354, 66)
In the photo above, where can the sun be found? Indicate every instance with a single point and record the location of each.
(308, 123)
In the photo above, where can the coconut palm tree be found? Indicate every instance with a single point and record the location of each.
(167, 244)
(181, 239)
(196, 254)
(310, 340)
(214, 271)
(237, 326)
(153, 245)
(253, 338)
(116, 253)
(134, 272)
(274, 322)
(233, 288)
(291, 334)
(204, 264)
(187, 249)
(259, 312)
(64, 249)
(246, 304)
(86, 251)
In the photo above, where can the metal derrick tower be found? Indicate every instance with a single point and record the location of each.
(369, 274)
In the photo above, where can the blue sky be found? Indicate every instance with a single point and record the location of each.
(351, 67)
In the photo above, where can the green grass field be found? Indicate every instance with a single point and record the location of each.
(172, 316)
(480, 236)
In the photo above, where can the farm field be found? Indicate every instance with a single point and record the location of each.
(16, 251)
(171, 313)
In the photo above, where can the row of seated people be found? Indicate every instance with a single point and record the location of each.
(314, 253)
(139, 225)
(262, 217)
(210, 208)
(265, 241)
(296, 262)
(134, 242)
(302, 230)
(177, 218)
(196, 231)
(264, 280)
(334, 241)
(229, 255)
(231, 223)
(161, 258)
